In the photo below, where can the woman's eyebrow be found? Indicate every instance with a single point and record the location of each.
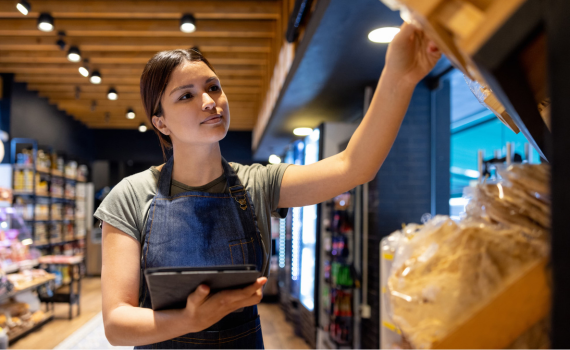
(191, 85)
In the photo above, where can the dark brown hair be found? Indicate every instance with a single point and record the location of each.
(154, 79)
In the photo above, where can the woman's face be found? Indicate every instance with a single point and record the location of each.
(195, 109)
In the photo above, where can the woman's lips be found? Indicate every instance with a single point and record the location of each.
(213, 120)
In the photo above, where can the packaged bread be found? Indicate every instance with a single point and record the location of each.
(447, 269)
(445, 273)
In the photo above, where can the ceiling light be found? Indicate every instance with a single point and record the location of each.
(112, 94)
(274, 159)
(95, 77)
(73, 54)
(84, 71)
(130, 114)
(142, 127)
(188, 23)
(45, 22)
(383, 35)
(302, 131)
(24, 7)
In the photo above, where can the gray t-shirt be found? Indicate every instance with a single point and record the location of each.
(127, 206)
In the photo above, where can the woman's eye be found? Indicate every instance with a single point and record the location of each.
(215, 88)
(185, 96)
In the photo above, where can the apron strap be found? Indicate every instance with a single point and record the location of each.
(165, 179)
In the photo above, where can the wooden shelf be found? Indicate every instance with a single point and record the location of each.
(22, 333)
(24, 287)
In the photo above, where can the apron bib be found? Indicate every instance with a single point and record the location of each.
(197, 229)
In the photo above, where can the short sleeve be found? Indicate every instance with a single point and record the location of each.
(121, 209)
(275, 174)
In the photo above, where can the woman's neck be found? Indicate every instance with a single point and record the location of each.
(197, 165)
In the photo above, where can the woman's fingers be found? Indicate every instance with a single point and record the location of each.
(199, 296)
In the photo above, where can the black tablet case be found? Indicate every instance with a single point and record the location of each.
(169, 287)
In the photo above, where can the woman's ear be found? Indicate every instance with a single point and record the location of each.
(158, 123)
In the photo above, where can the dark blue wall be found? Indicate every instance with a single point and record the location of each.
(5, 100)
(400, 193)
(34, 117)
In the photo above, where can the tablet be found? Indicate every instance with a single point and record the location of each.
(169, 287)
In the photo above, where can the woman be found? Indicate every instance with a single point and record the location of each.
(166, 216)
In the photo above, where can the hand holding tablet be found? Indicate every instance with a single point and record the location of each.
(170, 287)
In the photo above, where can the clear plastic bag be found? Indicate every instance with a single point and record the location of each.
(443, 272)
(446, 270)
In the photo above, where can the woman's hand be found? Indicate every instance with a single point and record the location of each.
(411, 55)
(204, 310)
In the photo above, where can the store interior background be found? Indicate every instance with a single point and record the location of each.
(333, 70)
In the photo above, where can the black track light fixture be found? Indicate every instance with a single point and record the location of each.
(73, 54)
(188, 23)
(45, 22)
(112, 94)
(95, 77)
(130, 114)
(24, 7)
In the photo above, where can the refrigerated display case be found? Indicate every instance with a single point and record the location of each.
(301, 251)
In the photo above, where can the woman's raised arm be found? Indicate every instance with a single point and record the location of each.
(410, 57)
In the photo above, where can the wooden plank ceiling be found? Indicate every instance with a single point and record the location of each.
(240, 38)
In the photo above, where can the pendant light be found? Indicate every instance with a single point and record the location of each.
(112, 94)
(45, 22)
(73, 54)
(95, 77)
(24, 7)
(142, 127)
(131, 114)
(84, 69)
(188, 23)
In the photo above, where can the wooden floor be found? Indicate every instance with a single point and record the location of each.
(277, 333)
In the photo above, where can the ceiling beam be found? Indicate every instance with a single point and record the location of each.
(128, 60)
(131, 9)
(120, 79)
(138, 28)
(69, 69)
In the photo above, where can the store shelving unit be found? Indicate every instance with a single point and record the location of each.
(520, 49)
(59, 224)
(62, 225)
(342, 285)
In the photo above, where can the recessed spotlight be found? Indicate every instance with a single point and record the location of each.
(131, 114)
(188, 23)
(274, 159)
(142, 127)
(112, 94)
(83, 70)
(73, 54)
(95, 77)
(45, 22)
(24, 7)
(303, 131)
(383, 35)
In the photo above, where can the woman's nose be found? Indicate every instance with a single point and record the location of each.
(207, 102)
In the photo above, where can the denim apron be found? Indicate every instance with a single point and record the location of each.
(198, 229)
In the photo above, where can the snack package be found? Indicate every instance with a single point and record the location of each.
(447, 269)
(446, 272)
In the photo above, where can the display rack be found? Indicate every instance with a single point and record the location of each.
(520, 48)
(342, 285)
(60, 222)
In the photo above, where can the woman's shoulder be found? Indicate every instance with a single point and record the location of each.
(139, 184)
(258, 174)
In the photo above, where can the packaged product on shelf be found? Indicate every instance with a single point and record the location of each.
(480, 282)
(71, 169)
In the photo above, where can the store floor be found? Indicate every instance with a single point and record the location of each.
(277, 333)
